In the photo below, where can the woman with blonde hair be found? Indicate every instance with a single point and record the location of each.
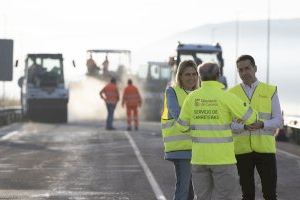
(178, 145)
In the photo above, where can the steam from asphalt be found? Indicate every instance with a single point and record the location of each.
(85, 103)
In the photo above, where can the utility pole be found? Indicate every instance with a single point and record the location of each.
(268, 42)
(237, 35)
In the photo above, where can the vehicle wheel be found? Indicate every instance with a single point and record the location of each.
(63, 115)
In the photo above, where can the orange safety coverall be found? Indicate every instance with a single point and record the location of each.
(132, 99)
(111, 93)
(90, 63)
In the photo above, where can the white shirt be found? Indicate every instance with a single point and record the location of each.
(276, 120)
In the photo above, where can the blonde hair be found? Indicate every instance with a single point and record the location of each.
(182, 66)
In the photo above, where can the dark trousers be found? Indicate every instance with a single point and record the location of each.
(265, 163)
(110, 115)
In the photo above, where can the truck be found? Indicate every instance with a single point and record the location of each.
(107, 63)
(199, 53)
(153, 78)
(158, 75)
(44, 96)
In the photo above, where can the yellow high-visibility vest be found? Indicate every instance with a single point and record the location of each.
(207, 113)
(174, 140)
(261, 141)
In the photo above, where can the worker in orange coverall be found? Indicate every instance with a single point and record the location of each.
(110, 94)
(132, 100)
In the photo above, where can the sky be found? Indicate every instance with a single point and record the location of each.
(38, 25)
(72, 27)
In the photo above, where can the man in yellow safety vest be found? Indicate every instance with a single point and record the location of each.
(206, 116)
(255, 144)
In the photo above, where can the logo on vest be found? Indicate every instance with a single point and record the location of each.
(206, 102)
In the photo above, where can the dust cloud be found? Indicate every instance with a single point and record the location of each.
(85, 103)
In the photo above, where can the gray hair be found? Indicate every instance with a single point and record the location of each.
(182, 66)
(209, 71)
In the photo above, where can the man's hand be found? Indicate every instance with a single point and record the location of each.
(102, 97)
(255, 126)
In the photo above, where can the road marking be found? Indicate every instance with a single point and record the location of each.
(9, 135)
(29, 194)
(155, 187)
(288, 154)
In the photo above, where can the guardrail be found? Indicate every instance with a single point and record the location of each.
(292, 128)
(9, 115)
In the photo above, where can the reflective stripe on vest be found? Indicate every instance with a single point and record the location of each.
(264, 132)
(132, 97)
(206, 127)
(167, 124)
(182, 123)
(174, 138)
(212, 139)
(248, 114)
(259, 132)
(111, 94)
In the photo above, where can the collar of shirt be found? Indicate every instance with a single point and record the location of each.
(250, 89)
(252, 86)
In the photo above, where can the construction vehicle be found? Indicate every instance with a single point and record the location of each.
(158, 75)
(199, 53)
(44, 96)
(153, 78)
(106, 63)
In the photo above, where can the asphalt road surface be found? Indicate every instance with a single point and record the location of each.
(82, 161)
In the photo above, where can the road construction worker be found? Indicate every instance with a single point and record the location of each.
(91, 65)
(105, 65)
(177, 144)
(255, 144)
(55, 72)
(206, 116)
(110, 94)
(36, 73)
(132, 100)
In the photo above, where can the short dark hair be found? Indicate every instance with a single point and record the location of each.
(113, 80)
(129, 82)
(246, 57)
(209, 71)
